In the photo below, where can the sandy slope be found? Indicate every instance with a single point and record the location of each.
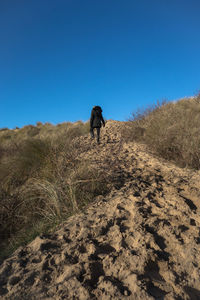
(140, 242)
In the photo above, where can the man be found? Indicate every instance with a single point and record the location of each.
(96, 120)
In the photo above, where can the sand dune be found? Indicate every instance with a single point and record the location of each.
(142, 241)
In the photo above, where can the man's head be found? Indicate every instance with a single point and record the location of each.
(97, 108)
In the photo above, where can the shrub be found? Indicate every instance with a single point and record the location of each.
(4, 129)
(39, 124)
(28, 160)
(171, 130)
(33, 131)
(43, 180)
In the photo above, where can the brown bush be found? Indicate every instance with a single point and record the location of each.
(43, 181)
(171, 130)
(4, 129)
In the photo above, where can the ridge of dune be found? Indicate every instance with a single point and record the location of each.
(142, 241)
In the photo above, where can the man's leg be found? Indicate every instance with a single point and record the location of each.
(98, 135)
(92, 132)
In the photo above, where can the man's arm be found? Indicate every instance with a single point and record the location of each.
(102, 120)
(91, 119)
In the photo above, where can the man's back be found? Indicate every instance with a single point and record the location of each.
(96, 120)
(96, 117)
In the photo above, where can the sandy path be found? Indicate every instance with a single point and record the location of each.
(140, 242)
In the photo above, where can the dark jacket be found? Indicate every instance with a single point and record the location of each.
(96, 118)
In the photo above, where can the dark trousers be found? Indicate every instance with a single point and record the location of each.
(98, 133)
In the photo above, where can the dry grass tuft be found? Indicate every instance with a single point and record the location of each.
(43, 181)
(171, 130)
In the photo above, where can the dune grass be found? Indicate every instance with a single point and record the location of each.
(171, 130)
(43, 181)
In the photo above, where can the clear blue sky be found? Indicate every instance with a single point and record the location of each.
(58, 58)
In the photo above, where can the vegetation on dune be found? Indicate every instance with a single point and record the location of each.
(42, 180)
(171, 130)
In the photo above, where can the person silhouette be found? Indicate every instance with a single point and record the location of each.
(96, 120)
